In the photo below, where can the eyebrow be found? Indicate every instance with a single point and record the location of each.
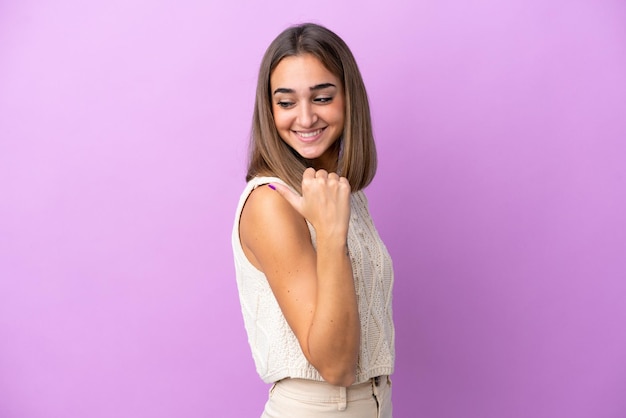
(316, 87)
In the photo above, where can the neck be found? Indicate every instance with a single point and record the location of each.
(329, 160)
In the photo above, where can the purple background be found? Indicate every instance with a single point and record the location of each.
(501, 195)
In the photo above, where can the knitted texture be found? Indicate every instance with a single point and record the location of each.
(274, 346)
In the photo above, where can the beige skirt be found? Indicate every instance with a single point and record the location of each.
(299, 398)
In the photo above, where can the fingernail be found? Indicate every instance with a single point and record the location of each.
(271, 186)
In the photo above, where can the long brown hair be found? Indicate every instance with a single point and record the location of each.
(269, 154)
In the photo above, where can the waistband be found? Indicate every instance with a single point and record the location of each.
(317, 391)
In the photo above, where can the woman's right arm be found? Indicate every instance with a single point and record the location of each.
(315, 289)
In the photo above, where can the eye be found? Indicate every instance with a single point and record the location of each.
(284, 104)
(323, 100)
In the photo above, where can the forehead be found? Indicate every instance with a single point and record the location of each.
(301, 71)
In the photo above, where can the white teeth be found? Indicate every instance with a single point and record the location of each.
(309, 134)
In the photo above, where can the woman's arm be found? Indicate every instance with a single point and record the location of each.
(315, 289)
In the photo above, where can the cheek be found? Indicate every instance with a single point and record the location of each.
(280, 121)
(337, 112)
(338, 115)
(284, 117)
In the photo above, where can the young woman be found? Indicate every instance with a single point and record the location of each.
(314, 277)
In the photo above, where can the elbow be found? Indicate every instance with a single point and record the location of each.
(344, 381)
(345, 376)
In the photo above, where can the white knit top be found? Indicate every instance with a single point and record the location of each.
(274, 346)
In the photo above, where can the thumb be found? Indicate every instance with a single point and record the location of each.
(293, 198)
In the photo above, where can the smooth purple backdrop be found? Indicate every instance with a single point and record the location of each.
(501, 194)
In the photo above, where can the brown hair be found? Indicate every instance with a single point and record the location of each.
(269, 154)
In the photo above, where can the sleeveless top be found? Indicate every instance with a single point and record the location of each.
(275, 348)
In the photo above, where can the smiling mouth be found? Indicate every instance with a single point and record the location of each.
(311, 134)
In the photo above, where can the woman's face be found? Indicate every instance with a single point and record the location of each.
(309, 107)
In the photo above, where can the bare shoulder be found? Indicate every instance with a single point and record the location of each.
(265, 209)
(271, 228)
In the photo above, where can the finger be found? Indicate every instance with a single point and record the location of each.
(344, 182)
(321, 174)
(309, 173)
(293, 198)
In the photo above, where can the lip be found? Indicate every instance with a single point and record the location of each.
(309, 135)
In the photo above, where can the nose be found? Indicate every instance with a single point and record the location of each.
(307, 117)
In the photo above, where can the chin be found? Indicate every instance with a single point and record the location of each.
(310, 157)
